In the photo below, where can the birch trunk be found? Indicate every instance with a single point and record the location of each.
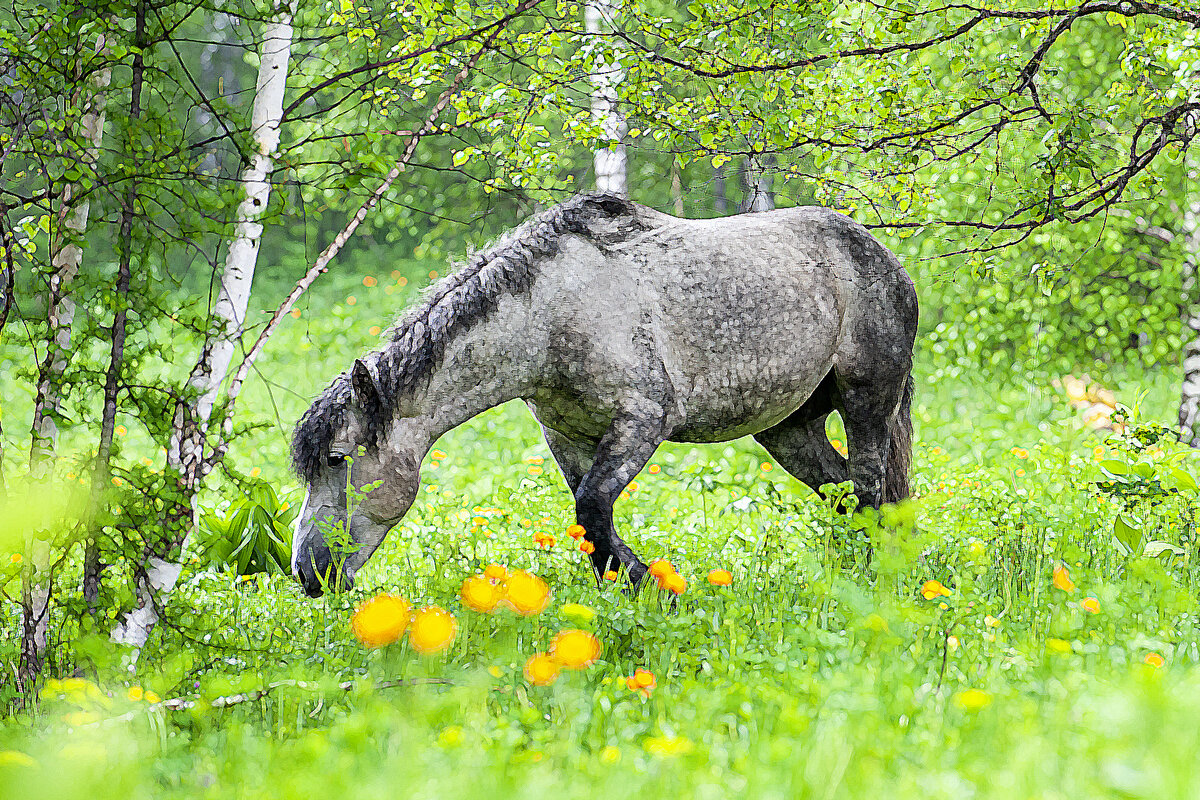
(758, 185)
(66, 257)
(1189, 401)
(185, 452)
(610, 162)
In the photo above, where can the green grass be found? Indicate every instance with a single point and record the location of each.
(818, 673)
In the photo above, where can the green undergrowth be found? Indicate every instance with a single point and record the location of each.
(822, 671)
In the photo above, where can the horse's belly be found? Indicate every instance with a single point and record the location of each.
(720, 407)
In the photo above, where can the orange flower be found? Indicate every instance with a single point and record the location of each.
(295, 312)
(575, 531)
(351, 300)
(575, 649)
(1090, 604)
(611, 575)
(1154, 660)
(380, 620)
(541, 670)
(433, 630)
(375, 330)
(642, 680)
(674, 583)
(527, 594)
(369, 281)
(932, 589)
(720, 577)
(661, 569)
(480, 594)
(543, 539)
(587, 547)
(495, 572)
(1062, 579)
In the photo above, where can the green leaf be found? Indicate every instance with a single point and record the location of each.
(1127, 536)
(1156, 548)
(1114, 467)
(1184, 480)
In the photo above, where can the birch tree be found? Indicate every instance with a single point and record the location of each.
(185, 453)
(1189, 401)
(66, 258)
(610, 162)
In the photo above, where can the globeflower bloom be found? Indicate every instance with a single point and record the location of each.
(720, 577)
(433, 630)
(1091, 605)
(495, 572)
(932, 589)
(1154, 660)
(674, 583)
(543, 539)
(381, 620)
(1062, 579)
(642, 680)
(526, 594)
(541, 669)
(575, 649)
(661, 569)
(587, 547)
(575, 531)
(481, 594)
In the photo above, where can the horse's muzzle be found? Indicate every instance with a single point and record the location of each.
(314, 569)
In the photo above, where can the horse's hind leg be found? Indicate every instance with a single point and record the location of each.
(869, 412)
(800, 445)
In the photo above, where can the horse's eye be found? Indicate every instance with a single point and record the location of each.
(335, 461)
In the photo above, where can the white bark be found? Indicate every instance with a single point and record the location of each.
(610, 162)
(185, 452)
(758, 185)
(1189, 401)
(65, 260)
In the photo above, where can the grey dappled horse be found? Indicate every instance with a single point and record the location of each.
(621, 328)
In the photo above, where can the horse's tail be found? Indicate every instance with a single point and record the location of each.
(895, 479)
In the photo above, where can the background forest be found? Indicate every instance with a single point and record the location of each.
(209, 208)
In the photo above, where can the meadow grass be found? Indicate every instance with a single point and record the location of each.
(822, 671)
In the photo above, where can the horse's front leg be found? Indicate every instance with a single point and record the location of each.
(624, 449)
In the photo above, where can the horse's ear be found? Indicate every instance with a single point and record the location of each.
(365, 387)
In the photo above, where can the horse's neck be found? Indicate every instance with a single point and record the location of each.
(490, 364)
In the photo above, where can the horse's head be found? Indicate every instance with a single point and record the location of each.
(361, 463)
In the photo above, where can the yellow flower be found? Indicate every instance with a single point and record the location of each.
(135, 693)
(932, 589)
(121, 430)
(575, 649)
(15, 758)
(610, 755)
(433, 630)
(675, 583)
(972, 699)
(575, 531)
(577, 612)
(480, 594)
(151, 697)
(374, 330)
(951, 643)
(496, 572)
(1058, 646)
(1154, 660)
(534, 470)
(543, 539)
(766, 466)
(526, 594)
(611, 575)
(381, 620)
(720, 577)
(541, 670)
(254, 473)
(16, 558)
(668, 745)
(642, 680)
(661, 568)
(655, 469)
(991, 621)
(1062, 579)
(439, 455)
(369, 281)
(1090, 604)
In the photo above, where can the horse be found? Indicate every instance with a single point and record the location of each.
(622, 327)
